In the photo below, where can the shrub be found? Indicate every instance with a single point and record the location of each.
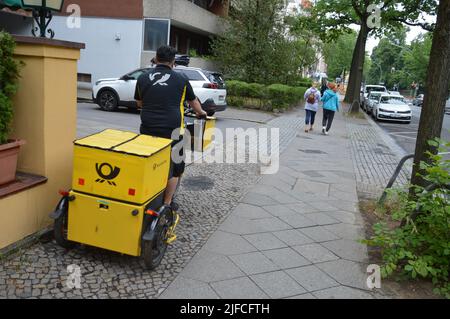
(420, 247)
(277, 96)
(237, 88)
(9, 75)
(257, 91)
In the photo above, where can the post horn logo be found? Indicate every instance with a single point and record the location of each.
(107, 176)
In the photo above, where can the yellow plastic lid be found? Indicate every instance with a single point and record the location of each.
(143, 145)
(106, 139)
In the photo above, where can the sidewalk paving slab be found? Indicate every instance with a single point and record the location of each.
(278, 284)
(308, 247)
(239, 288)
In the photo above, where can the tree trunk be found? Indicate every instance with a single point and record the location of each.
(356, 72)
(438, 78)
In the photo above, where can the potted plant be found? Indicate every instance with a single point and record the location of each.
(9, 76)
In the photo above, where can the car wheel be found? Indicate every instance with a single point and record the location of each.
(211, 113)
(108, 101)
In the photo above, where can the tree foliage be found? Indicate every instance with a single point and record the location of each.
(9, 75)
(401, 64)
(331, 18)
(259, 47)
(417, 58)
(421, 246)
(338, 54)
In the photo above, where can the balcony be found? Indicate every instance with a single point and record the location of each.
(187, 14)
(218, 7)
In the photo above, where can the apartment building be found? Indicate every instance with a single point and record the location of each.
(123, 35)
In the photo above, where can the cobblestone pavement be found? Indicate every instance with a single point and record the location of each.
(375, 161)
(208, 194)
(294, 235)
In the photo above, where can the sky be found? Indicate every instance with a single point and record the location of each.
(371, 42)
(412, 34)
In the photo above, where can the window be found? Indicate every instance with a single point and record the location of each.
(156, 33)
(192, 75)
(84, 77)
(136, 74)
(392, 100)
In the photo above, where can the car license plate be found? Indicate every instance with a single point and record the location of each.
(221, 98)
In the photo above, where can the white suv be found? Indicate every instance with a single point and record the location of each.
(208, 86)
(367, 90)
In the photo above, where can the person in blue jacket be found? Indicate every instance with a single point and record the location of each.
(330, 101)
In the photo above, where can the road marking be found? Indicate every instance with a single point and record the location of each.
(412, 138)
(404, 132)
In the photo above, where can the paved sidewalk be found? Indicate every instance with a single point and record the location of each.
(376, 157)
(293, 235)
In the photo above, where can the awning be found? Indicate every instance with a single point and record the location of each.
(14, 7)
(12, 4)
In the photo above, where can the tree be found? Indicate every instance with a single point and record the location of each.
(330, 18)
(386, 60)
(417, 58)
(337, 54)
(438, 81)
(259, 47)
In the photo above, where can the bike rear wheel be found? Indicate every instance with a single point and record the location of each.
(153, 251)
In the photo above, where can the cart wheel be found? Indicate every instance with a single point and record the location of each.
(153, 251)
(60, 231)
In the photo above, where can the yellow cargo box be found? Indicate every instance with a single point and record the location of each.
(106, 224)
(121, 165)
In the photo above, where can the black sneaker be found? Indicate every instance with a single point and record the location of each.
(175, 207)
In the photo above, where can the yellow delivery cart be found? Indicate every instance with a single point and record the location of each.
(116, 200)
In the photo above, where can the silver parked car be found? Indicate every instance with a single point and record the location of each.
(373, 97)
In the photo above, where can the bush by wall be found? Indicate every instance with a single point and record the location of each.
(9, 75)
(254, 95)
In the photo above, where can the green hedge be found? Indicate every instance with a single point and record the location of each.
(254, 95)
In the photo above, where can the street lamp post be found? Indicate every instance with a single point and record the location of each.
(42, 14)
(381, 71)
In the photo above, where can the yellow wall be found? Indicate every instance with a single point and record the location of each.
(45, 116)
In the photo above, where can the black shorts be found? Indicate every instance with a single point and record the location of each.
(177, 159)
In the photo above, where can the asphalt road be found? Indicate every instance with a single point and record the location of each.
(92, 120)
(406, 134)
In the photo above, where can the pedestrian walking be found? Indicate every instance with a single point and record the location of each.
(312, 97)
(330, 101)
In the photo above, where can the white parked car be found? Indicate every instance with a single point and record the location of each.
(371, 88)
(209, 87)
(392, 108)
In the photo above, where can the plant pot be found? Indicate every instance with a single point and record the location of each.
(9, 154)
